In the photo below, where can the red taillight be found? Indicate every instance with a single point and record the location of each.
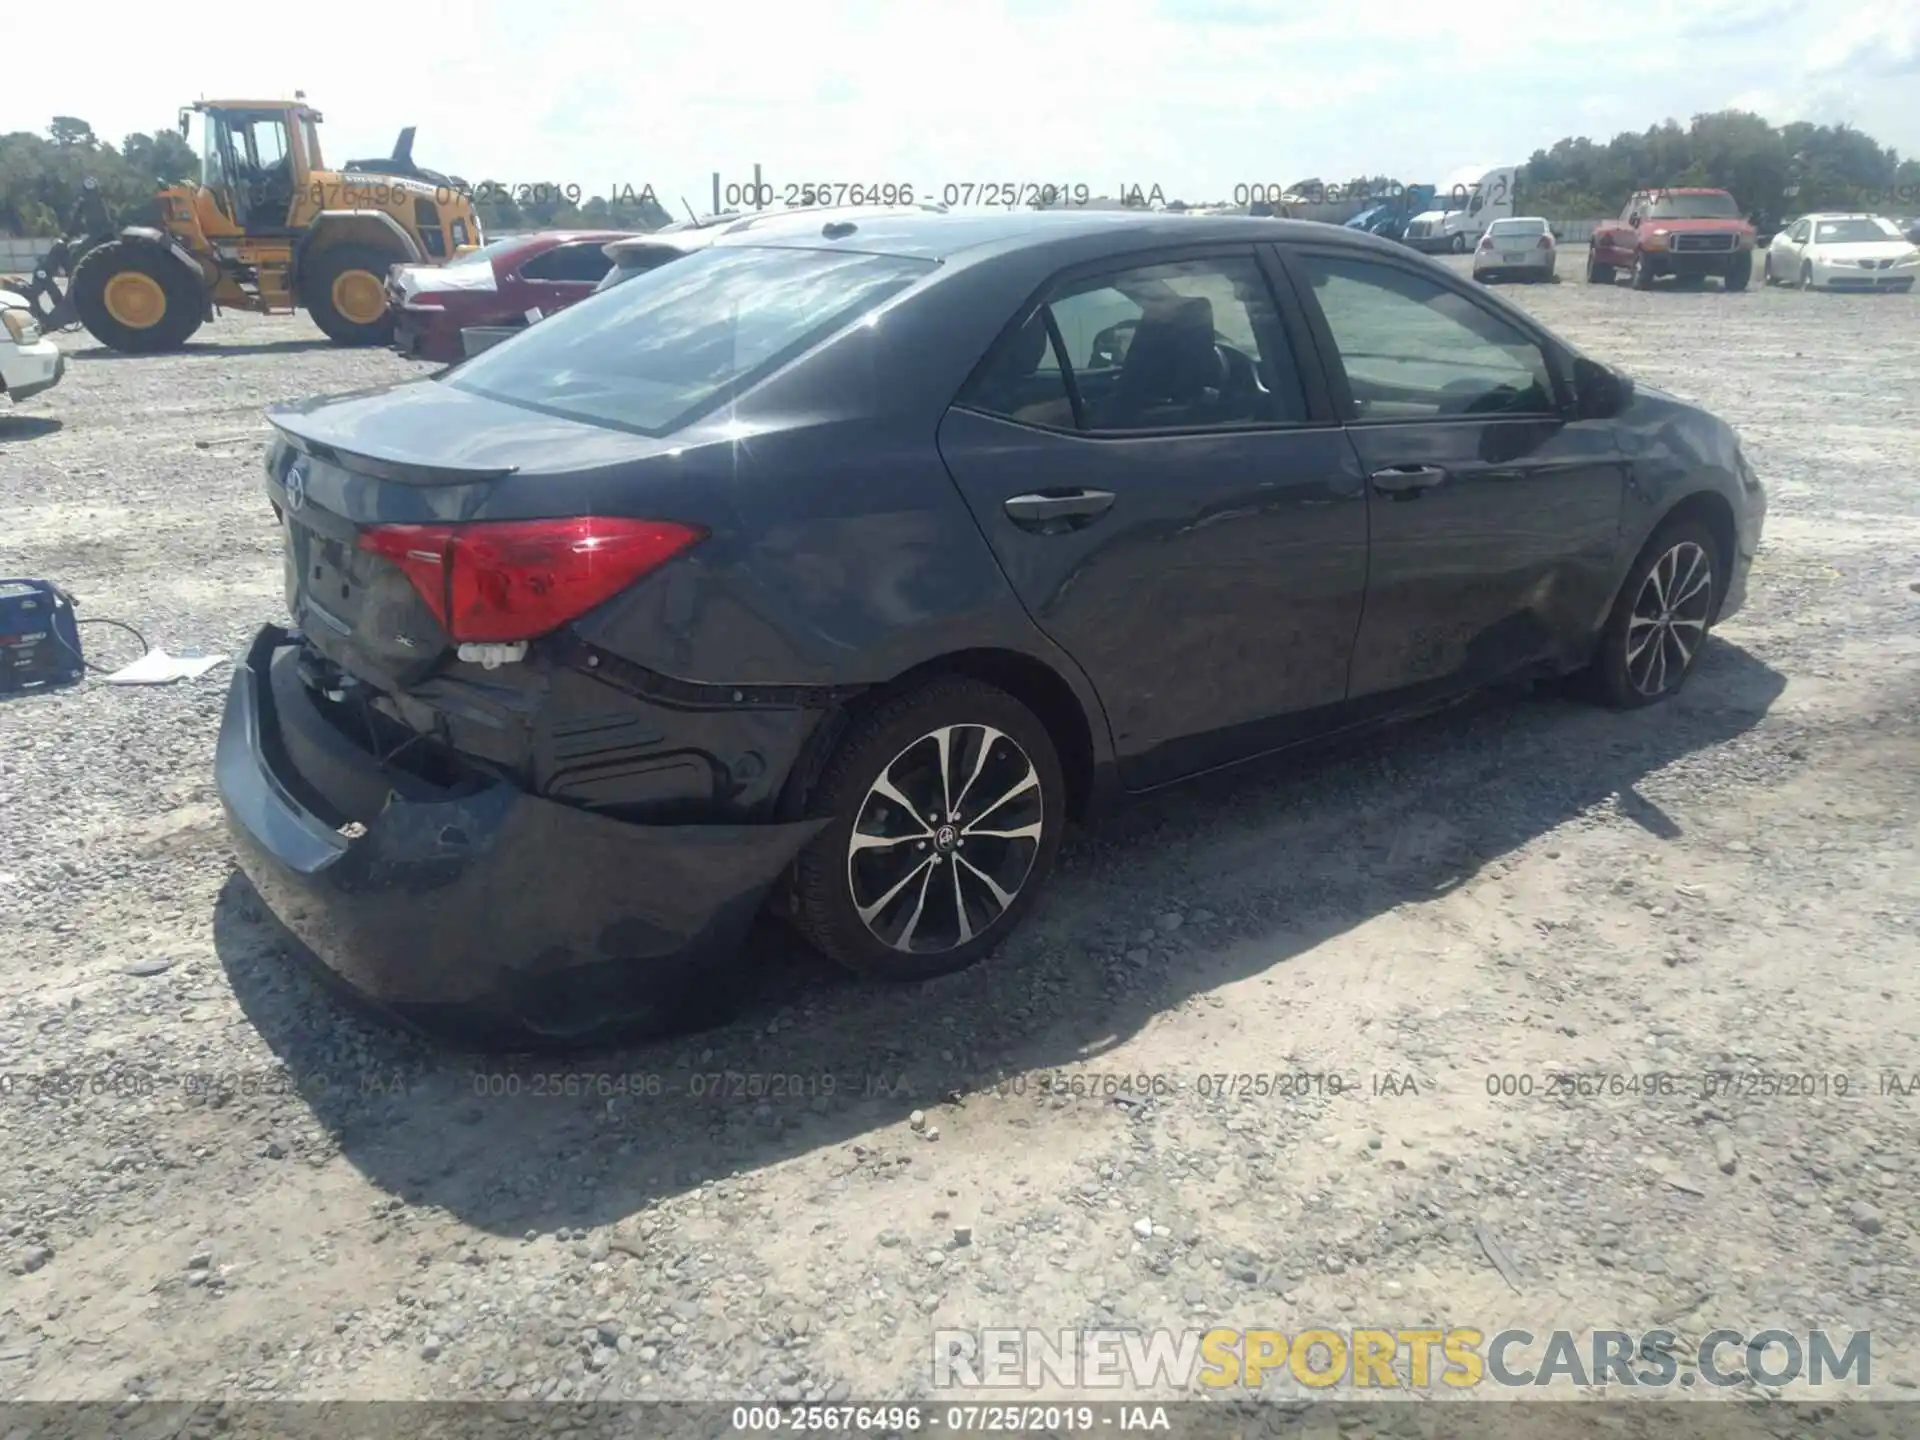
(1486, 242)
(496, 581)
(1546, 242)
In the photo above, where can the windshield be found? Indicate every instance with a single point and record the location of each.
(654, 353)
(1853, 232)
(1715, 206)
(1519, 227)
(483, 256)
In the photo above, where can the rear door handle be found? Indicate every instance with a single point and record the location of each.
(1059, 508)
(1403, 479)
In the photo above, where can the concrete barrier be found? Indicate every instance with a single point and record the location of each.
(1575, 232)
(18, 256)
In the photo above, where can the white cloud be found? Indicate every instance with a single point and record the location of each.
(1193, 96)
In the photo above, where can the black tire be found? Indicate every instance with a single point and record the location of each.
(317, 294)
(1739, 273)
(1458, 244)
(1642, 273)
(1617, 676)
(1597, 274)
(895, 743)
(183, 302)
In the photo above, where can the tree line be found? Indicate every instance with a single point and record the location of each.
(1774, 172)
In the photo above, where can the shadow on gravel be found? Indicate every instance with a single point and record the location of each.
(210, 352)
(1287, 853)
(27, 427)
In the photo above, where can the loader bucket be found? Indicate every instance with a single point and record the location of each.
(51, 308)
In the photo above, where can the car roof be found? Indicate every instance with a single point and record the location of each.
(1682, 190)
(936, 236)
(1841, 215)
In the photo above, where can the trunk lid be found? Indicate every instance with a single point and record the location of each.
(418, 453)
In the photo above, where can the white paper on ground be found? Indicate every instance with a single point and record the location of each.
(156, 667)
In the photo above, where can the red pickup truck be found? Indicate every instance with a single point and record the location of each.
(1688, 233)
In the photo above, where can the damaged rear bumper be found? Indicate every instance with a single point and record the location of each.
(488, 912)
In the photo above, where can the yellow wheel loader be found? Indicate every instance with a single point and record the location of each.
(269, 229)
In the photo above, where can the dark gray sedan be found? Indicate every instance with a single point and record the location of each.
(838, 564)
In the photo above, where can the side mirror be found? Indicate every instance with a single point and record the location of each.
(1634, 219)
(1599, 393)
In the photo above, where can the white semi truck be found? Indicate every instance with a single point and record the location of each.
(1465, 204)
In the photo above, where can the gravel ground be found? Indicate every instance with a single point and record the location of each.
(1725, 883)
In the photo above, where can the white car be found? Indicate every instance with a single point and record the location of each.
(1842, 252)
(1517, 249)
(29, 362)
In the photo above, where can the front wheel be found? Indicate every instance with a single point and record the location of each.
(1659, 623)
(137, 298)
(948, 805)
(1459, 245)
(345, 291)
(1739, 273)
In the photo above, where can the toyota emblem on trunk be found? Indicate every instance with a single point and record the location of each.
(297, 485)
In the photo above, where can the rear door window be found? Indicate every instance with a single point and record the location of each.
(659, 351)
(1180, 345)
(582, 263)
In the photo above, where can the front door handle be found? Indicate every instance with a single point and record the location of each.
(1404, 479)
(1058, 509)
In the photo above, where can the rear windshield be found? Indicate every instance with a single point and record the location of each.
(628, 263)
(1847, 232)
(654, 353)
(1519, 227)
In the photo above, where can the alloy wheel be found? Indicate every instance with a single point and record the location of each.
(945, 839)
(1669, 618)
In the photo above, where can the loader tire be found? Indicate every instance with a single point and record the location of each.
(345, 291)
(135, 299)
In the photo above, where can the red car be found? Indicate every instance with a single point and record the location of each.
(501, 286)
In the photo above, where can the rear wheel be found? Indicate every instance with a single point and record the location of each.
(345, 291)
(948, 804)
(137, 298)
(1659, 623)
(1597, 274)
